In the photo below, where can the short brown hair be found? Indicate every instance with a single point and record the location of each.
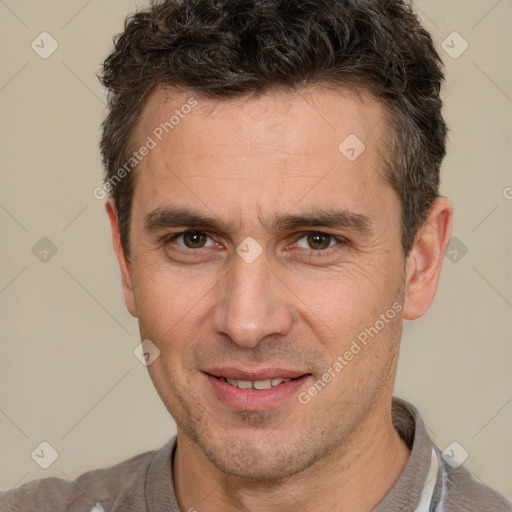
(229, 48)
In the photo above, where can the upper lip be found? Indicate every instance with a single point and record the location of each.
(253, 374)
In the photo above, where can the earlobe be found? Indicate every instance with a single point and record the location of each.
(423, 266)
(124, 264)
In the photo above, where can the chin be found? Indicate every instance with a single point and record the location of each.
(265, 469)
(259, 457)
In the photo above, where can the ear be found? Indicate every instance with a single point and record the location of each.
(124, 263)
(423, 265)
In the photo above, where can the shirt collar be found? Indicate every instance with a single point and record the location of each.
(407, 490)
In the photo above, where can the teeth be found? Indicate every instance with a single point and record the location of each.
(262, 384)
(242, 384)
(255, 384)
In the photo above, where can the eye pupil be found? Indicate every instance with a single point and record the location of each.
(315, 239)
(194, 239)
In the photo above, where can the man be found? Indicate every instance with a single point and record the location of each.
(273, 173)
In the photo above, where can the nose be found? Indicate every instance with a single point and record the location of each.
(252, 303)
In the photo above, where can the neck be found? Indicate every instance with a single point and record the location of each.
(355, 476)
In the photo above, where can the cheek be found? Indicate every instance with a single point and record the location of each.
(350, 301)
(155, 298)
(358, 282)
(168, 299)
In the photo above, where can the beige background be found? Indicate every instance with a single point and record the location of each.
(68, 375)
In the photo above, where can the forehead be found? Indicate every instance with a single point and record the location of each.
(307, 120)
(276, 146)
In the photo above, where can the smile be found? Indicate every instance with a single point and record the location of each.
(255, 390)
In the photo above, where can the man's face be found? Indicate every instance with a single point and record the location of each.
(283, 304)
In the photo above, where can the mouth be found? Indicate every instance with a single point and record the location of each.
(255, 390)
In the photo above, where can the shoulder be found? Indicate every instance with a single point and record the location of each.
(99, 487)
(454, 488)
(462, 493)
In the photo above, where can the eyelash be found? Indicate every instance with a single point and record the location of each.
(313, 252)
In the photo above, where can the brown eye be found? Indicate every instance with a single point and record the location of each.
(316, 241)
(192, 239)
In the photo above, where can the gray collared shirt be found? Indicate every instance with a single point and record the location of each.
(430, 482)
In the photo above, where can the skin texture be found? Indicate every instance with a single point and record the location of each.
(245, 162)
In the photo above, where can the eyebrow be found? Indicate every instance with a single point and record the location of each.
(164, 218)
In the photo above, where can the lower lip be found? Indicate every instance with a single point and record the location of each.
(252, 399)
